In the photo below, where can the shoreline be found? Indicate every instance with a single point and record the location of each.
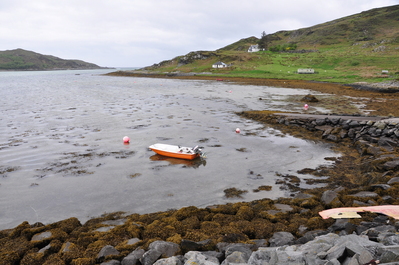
(385, 87)
(372, 92)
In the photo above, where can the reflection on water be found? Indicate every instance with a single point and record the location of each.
(62, 153)
(195, 163)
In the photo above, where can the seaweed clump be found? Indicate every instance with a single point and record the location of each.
(234, 192)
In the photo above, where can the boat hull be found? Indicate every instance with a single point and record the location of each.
(174, 151)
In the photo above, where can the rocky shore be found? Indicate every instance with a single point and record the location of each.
(341, 243)
(385, 87)
(283, 231)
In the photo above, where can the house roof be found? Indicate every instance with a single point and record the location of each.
(219, 63)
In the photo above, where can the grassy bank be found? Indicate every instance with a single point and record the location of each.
(338, 65)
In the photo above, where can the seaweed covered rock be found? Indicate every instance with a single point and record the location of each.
(309, 98)
(107, 251)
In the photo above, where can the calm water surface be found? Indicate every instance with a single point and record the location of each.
(62, 154)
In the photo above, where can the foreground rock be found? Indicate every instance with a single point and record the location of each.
(341, 243)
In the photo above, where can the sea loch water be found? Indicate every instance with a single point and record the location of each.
(62, 153)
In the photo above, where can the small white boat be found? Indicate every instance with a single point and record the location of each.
(177, 151)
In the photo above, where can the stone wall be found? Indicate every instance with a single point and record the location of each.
(378, 139)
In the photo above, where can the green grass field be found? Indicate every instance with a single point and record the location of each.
(337, 64)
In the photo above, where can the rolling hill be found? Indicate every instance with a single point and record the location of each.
(355, 48)
(20, 59)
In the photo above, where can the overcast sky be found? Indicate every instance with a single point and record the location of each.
(137, 33)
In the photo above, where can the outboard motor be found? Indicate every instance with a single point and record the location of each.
(198, 149)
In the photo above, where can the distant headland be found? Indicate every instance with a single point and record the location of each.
(23, 60)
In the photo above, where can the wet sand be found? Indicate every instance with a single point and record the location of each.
(381, 104)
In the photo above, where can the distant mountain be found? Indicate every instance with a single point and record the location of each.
(20, 59)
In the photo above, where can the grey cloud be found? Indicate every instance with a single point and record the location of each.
(140, 33)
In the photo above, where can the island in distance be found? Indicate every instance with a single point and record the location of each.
(23, 60)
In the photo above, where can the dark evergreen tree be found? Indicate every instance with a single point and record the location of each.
(263, 42)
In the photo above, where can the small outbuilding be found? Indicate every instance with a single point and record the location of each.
(219, 65)
(306, 71)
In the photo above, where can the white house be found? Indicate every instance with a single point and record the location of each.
(219, 65)
(253, 48)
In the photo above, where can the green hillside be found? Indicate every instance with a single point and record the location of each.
(20, 59)
(356, 48)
